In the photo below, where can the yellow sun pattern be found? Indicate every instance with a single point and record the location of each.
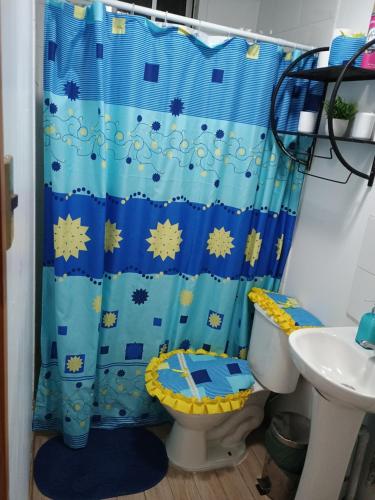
(243, 353)
(165, 240)
(253, 246)
(112, 237)
(74, 364)
(69, 237)
(109, 319)
(163, 348)
(186, 297)
(289, 303)
(219, 242)
(214, 320)
(97, 303)
(279, 247)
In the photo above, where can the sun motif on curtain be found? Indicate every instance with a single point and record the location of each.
(279, 247)
(109, 319)
(74, 364)
(214, 320)
(253, 246)
(97, 303)
(165, 240)
(69, 237)
(112, 237)
(219, 242)
(186, 297)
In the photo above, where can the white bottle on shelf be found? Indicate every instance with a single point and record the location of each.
(363, 125)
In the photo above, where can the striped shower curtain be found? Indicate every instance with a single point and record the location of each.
(166, 200)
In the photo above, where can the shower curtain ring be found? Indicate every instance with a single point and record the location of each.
(133, 8)
(165, 18)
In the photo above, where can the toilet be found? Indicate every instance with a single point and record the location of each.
(200, 442)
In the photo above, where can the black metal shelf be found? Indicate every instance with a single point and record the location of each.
(337, 74)
(332, 73)
(323, 136)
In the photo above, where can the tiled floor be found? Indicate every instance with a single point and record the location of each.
(224, 484)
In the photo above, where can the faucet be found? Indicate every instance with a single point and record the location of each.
(367, 345)
(366, 331)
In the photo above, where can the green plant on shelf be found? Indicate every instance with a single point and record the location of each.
(342, 110)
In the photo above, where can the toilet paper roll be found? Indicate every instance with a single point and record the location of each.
(307, 121)
(323, 59)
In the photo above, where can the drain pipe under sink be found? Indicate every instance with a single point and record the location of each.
(358, 460)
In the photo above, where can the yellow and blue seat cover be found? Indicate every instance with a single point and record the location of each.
(199, 382)
(285, 311)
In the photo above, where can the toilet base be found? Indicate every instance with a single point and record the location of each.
(217, 457)
(206, 442)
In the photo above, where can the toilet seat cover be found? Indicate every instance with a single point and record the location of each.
(199, 382)
(285, 311)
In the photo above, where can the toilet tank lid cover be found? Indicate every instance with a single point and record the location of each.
(285, 311)
(199, 382)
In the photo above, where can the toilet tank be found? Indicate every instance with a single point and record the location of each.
(269, 357)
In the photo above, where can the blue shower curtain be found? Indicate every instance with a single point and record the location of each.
(166, 200)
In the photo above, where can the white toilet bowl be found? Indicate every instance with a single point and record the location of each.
(204, 442)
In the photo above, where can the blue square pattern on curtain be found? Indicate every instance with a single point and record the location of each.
(166, 200)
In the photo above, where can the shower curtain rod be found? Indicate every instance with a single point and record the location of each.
(167, 16)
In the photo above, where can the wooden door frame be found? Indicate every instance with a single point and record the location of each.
(4, 477)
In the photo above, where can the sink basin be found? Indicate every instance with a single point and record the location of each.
(343, 376)
(340, 369)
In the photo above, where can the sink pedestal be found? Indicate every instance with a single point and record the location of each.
(334, 431)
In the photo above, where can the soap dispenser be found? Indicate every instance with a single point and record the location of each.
(366, 331)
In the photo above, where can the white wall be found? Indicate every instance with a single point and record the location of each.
(354, 14)
(301, 21)
(326, 246)
(333, 217)
(328, 236)
(233, 13)
(332, 220)
(17, 39)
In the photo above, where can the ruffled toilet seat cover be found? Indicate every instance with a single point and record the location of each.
(199, 382)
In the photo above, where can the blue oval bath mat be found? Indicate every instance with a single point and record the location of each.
(114, 463)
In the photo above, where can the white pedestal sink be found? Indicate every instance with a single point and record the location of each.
(343, 374)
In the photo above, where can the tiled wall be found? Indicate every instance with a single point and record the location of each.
(304, 21)
(234, 13)
(301, 21)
